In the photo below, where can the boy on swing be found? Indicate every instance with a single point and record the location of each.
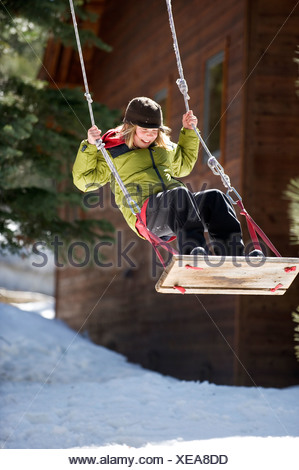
(149, 165)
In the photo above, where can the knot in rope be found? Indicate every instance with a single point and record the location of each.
(88, 97)
(183, 87)
(217, 169)
(100, 145)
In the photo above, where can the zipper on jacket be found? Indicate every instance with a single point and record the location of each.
(156, 169)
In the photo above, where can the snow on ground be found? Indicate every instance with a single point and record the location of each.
(34, 272)
(60, 391)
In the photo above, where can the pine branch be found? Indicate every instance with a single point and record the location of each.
(53, 17)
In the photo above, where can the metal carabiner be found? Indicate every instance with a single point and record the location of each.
(232, 189)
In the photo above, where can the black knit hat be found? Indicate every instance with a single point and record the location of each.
(144, 112)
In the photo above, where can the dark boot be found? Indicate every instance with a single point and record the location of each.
(256, 253)
(199, 250)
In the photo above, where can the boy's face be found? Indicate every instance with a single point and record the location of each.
(143, 137)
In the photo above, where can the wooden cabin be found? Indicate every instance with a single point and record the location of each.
(238, 60)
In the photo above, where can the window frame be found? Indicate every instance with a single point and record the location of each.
(215, 60)
(221, 48)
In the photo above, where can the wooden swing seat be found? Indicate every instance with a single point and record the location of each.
(188, 274)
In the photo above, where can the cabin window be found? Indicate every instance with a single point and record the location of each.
(213, 104)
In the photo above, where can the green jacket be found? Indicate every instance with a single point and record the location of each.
(143, 171)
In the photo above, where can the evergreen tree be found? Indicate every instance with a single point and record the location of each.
(40, 130)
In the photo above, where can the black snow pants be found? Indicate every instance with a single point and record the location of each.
(187, 215)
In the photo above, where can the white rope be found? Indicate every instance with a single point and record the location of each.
(213, 163)
(181, 82)
(99, 143)
(87, 94)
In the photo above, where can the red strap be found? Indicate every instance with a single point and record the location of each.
(291, 268)
(180, 289)
(188, 266)
(151, 237)
(274, 289)
(254, 229)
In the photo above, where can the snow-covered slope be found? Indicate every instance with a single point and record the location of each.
(60, 391)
